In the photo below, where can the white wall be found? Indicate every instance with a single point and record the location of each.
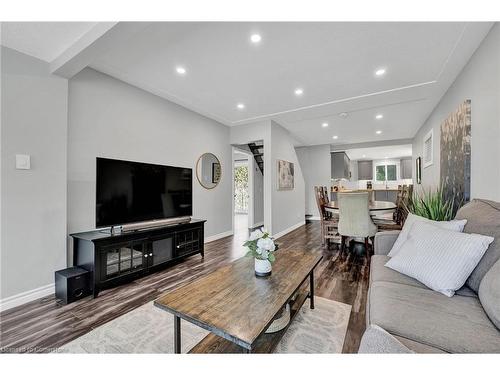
(258, 194)
(110, 118)
(34, 122)
(316, 168)
(480, 82)
(288, 206)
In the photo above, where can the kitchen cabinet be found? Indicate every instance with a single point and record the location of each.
(406, 168)
(386, 195)
(365, 170)
(392, 196)
(340, 164)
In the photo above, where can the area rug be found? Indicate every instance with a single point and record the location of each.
(148, 329)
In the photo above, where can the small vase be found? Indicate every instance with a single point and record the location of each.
(263, 268)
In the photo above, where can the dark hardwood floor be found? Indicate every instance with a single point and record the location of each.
(43, 325)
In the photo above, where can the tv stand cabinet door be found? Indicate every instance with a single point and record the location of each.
(189, 241)
(160, 249)
(124, 259)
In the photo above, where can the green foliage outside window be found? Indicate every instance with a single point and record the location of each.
(380, 172)
(391, 173)
(386, 172)
(241, 188)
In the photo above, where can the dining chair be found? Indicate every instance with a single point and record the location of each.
(354, 218)
(328, 222)
(399, 217)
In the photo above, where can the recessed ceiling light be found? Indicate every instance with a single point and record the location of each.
(180, 70)
(379, 116)
(364, 156)
(380, 72)
(240, 106)
(325, 124)
(335, 137)
(379, 132)
(299, 92)
(255, 38)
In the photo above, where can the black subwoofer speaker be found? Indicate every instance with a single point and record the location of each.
(72, 284)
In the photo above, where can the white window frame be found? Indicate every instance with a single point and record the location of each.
(425, 155)
(385, 167)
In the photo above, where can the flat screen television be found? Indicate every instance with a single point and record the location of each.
(130, 192)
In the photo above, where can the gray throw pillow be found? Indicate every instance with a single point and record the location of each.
(483, 217)
(489, 293)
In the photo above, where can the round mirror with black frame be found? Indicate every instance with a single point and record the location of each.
(208, 170)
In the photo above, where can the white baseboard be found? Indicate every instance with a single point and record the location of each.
(25, 297)
(314, 218)
(218, 236)
(259, 224)
(289, 229)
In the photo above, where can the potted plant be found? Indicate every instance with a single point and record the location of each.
(433, 205)
(261, 246)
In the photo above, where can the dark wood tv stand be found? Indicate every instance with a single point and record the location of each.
(113, 259)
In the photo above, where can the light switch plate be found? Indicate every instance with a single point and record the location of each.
(23, 161)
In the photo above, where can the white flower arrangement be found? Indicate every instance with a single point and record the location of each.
(261, 246)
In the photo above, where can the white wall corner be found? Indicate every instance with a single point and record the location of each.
(289, 229)
(218, 236)
(25, 297)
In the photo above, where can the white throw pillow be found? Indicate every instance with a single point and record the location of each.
(454, 225)
(439, 258)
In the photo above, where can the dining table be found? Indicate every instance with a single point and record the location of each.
(375, 207)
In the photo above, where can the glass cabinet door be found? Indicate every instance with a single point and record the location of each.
(124, 259)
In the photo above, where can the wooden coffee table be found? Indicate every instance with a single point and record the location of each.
(237, 307)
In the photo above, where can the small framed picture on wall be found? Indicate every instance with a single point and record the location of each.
(418, 170)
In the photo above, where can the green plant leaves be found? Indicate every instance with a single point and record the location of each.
(432, 205)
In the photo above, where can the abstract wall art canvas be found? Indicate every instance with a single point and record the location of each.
(456, 155)
(285, 175)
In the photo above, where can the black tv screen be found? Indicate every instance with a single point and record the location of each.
(128, 192)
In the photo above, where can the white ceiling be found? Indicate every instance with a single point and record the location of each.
(334, 63)
(43, 40)
(383, 152)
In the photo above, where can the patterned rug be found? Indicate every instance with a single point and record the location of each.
(148, 329)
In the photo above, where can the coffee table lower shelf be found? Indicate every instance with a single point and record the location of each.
(266, 343)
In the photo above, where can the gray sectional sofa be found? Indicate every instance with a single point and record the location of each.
(404, 316)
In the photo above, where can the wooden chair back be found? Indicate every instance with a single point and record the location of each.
(326, 195)
(406, 201)
(320, 201)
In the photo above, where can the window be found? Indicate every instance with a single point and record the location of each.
(428, 149)
(386, 172)
(391, 172)
(380, 172)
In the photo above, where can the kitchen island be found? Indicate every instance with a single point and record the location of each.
(386, 195)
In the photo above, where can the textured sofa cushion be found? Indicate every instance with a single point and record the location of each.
(439, 258)
(377, 340)
(379, 272)
(455, 325)
(384, 241)
(489, 293)
(482, 217)
(454, 225)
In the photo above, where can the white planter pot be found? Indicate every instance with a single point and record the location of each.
(262, 267)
